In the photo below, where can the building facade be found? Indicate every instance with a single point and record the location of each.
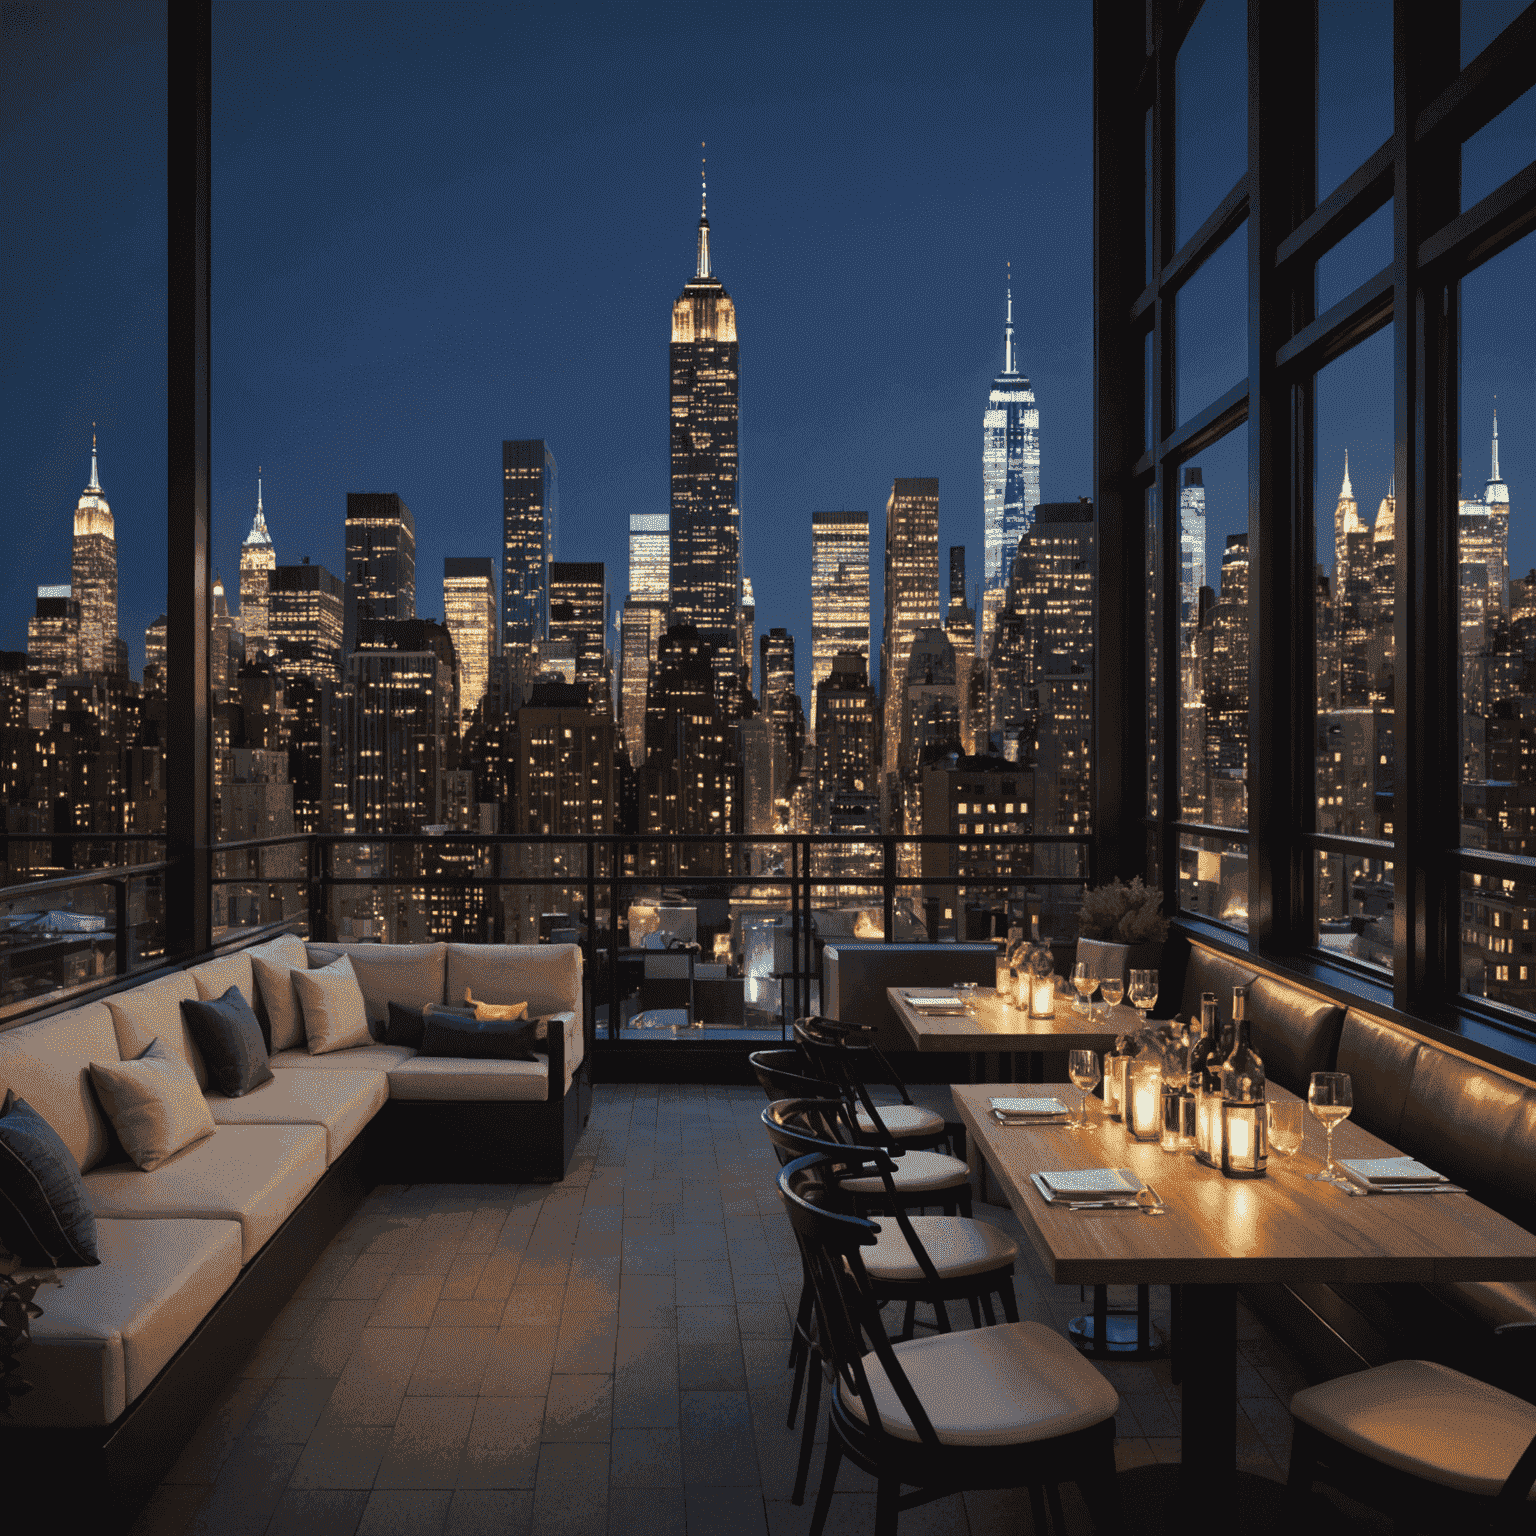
(94, 576)
(839, 593)
(381, 561)
(257, 560)
(530, 510)
(469, 611)
(578, 617)
(306, 621)
(911, 595)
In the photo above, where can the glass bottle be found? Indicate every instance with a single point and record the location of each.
(1244, 1143)
(1204, 1081)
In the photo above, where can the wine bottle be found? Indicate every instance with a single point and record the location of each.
(1244, 1142)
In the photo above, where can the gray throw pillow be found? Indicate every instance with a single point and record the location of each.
(227, 1033)
(154, 1104)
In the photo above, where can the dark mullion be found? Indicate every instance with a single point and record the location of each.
(1348, 323)
(1502, 866)
(189, 71)
(1223, 415)
(1343, 211)
(1120, 716)
(1223, 222)
(1502, 73)
(1427, 793)
(1506, 215)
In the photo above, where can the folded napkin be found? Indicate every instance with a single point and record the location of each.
(1071, 1185)
(1394, 1176)
(946, 1002)
(1026, 1109)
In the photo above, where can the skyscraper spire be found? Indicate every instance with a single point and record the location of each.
(95, 484)
(1495, 475)
(703, 268)
(1008, 328)
(258, 490)
(1346, 491)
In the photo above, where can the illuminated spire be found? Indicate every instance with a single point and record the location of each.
(703, 270)
(95, 484)
(1495, 475)
(258, 490)
(258, 533)
(1008, 366)
(1347, 491)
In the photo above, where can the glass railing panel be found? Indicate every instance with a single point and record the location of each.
(1352, 913)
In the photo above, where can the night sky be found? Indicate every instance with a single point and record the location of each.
(438, 226)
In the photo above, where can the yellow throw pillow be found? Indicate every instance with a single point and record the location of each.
(505, 1011)
(154, 1104)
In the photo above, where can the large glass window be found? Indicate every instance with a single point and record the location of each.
(1212, 329)
(1354, 86)
(1211, 115)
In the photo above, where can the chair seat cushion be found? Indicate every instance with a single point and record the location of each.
(107, 1332)
(340, 1103)
(376, 1058)
(956, 1244)
(464, 1078)
(1424, 1419)
(904, 1120)
(253, 1174)
(1492, 1302)
(1007, 1385)
(914, 1171)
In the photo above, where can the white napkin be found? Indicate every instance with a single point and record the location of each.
(1027, 1109)
(946, 1002)
(1391, 1170)
(1088, 1183)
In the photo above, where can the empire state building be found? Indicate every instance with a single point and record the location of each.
(706, 513)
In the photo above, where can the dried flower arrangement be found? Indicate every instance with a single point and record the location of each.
(1123, 914)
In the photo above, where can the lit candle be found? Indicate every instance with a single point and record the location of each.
(1042, 997)
(1114, 1085)
(1239, 1139)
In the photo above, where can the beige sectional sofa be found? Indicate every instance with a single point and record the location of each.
(200, 1252)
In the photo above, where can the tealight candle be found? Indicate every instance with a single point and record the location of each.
(1042, 997)
(1144, 1098)
(1244, 1150)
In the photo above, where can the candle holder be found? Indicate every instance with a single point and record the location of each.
(1042, 996)
(1171, 1117)
(1144, 1098)
(1114, 1085)
(1209, 1135)
(1244, 1140)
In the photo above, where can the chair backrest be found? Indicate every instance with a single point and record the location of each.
(825, 1042)
(798, 1127)
(785, 1074)
(847, 1310)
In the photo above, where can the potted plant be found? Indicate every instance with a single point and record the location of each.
(1121, 927)
(17, 1309)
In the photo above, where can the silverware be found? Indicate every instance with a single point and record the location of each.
(1099, 1205)
(1150, 1201)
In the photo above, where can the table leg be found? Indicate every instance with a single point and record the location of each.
(1209, 1459)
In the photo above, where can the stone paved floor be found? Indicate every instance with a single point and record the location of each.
(602, 1355)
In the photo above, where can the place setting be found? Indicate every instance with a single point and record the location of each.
(1098, 1189)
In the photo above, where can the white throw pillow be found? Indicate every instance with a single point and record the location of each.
(154, 1104)
(274, 965)
(334, 1014)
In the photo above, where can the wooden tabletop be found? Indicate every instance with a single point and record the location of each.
(1221, 1231)
(997, 1026)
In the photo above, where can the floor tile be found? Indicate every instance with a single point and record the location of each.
(646, 1458)
(371, 1387)
(648, 1512)
(502, 1450)
(645, 1378)
(571, 1498)
(451, 1363)
(518, 1362)
(318, 1512)
(718, 1448)
(738, 1511)
(428, 1443)
(490, 1512)
(342, 1456)
(404, 1512)
(579, 1408)
(249, 1485)
(586, 1342)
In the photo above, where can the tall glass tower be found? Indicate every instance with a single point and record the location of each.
(94, 570)
(381, 560)
(529, 510)
(706, 513)
(257, 561)
(1010, 478)
(839, 592)
(1191, 547)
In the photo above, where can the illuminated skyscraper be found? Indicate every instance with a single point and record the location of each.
(530, 506)
(641, 626)
(305, 622)
(381, 560)
(839, 593)
(53, 632)
(469, 611)
(1010, 477)
(650, 556)
(578, 616)
(911, 593)
(94, 580)
(257, 558)
(1191, 549)
(706, 515)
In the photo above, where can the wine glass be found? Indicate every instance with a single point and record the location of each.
(1086, 984)
(1143, 993)
(1330, 1097)
(1083, 1068)
(1111, 989)
(1286, 1126)
(967, 991)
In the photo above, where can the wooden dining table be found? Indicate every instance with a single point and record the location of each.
(1221, 1233)
(999, 1026)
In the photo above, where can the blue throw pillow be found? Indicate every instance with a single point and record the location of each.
(404, 1027)
(449, 1034)
(226, 1032)
(45, 1219)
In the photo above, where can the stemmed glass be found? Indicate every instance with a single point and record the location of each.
(1086, 984)
(1111, 989)
(1330, 1097)
(967, 991)
(1143, 993)
(1285, 1126)
(1083, 1068)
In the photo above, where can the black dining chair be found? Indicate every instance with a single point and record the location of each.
(845, 1054)
(1001, 1407)
(1436, 1449)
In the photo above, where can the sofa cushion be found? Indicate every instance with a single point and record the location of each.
(402, 973)
(273, 965)
(1294, 1032)
(154, 1104)
(45, 1218)
(215, 977)
(107, 1332)
(153, 1012)
(455, 1077)
(48, 1063)
(231, 1041)
(376, 1058)
(334, 1016)
(340, 1102)
(253, 1174)
(545, 976)
(1379, 1060)
(1210, 972)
